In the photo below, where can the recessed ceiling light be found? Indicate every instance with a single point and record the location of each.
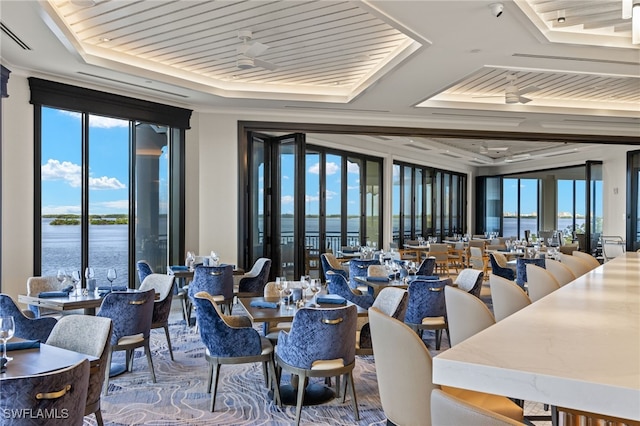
(83, 3)
(105, 39)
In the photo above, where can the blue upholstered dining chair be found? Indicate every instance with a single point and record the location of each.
(60, 391)
(26, 328)
(330, 264)
(359, 268)
(131, 313)
(252, 283)
(162, 284)
(144, 269)
(321, 343)
(88, 335)
(215, 280)
(427, 266)
(231, 339)
(391, 301)
(499, 270)
(521, 269)
(470, 280)
(426, 309)
(338, 285)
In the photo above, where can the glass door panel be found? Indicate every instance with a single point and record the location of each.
(61, 191)
(258, 198)
(407, 200)
(109, 167)
(354, 209)
(333, 201)
(419, 191)
(314, 243)
(287, 212)
(372, 203)
(395, 205)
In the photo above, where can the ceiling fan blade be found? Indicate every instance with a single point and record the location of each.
(528, 89)
(255, 49)
(524, 100)
(266, 65)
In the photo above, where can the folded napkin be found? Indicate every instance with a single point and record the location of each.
(108, 288)
(331, 298)
(378, 279)
(263, 304)
(179, 268)
(23, 344)
(45, 294)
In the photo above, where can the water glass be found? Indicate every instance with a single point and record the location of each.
(7, 328)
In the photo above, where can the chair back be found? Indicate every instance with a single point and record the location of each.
(426, 299)
(447, 409)
(59, 391)
(163, 285)
(215, 280)
(270, 290)
(560, 272)
(88, 335)
(330, 264)
(338, 285)
(427, 266)
(26, 328)
(144, 269)
(131, 313)
(392, 301)
(466, 314)
(439, 250)
(499, 266)
(476, 257)
(37, 285)
(481, 244)
(404, 376)
(359, 268)
(592, 261)
(255, 280)
(319, 334)
(578, 266)
(541, 282)
(377, 271)
(470, 280)
(221, 339)
(521, 269)
(612, 249)
(507, 297)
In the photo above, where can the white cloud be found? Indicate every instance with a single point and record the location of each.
(314, 169)
(287, 199)
(311, 198)
(332, 168)
(61, 209)
(116, 204)
(330, 194)
(353, 168)
(98, 120)
(71, 173)
(285, 177)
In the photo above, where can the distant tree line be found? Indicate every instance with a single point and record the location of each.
(94, 219)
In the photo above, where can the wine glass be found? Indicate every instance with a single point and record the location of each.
(7, 328)
(315, 288)
(305, 281)
(287, 291)
(111, 276)
(61, 275)
(77, 282)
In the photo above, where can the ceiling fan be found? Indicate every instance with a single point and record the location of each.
(248, 52)
(512, 94)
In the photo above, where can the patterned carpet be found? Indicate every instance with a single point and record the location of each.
(179, 397)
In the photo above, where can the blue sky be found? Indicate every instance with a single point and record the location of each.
(61, 163)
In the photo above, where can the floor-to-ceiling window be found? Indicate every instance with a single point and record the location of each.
(633, 200)
(426, 202)
(109, 188)
(520, 207)
(324, 198)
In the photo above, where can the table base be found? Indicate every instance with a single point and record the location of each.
(314, 394)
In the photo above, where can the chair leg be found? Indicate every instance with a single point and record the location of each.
(265, 373)
(338, 387)
(147, 351)
(99, 421)
(276, 385)
(345, 383)
(129, 359)
(105, 384)
(300, 398)
(216, 373)
(166, 332)
(353, 396)
(438, 339)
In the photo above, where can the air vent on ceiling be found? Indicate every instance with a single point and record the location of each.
(479, 161)
(449, 154)
(334, 108)
(13, 37)
(558, 153)
(133, 84)
(416, 146)
(565, 58)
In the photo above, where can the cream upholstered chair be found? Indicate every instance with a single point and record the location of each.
(377, 271)
(405, 376)
(87, 335)
(272, 329)
(466, 314)
(163, 286)
(560, 272)
(578, 266)
(540, 282)
(592, 261)
(392, 301)
(477, 259)
(37, 285)
(441, 253)
(507, 297)
(447, 410)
